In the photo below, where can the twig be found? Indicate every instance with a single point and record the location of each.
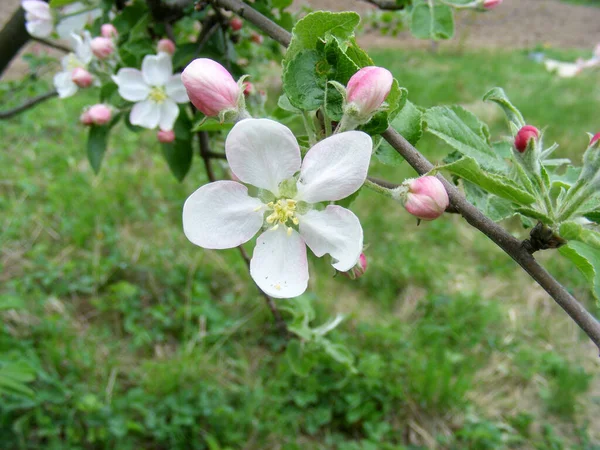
(205, 155)
(472, 215)
(55, 45)
(28, 104)
(388, 5)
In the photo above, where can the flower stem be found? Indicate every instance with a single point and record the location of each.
(310, 128)
(386, 192)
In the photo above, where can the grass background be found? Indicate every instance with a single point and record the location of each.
(140, 340)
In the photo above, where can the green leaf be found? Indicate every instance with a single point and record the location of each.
(317, 26)
(11, 302)
(180, 152)
(381, 121)
(535, 214)
(432, 21)
(304, 80)
(497, 95)
(468, 169)
(13, 379)
(409, 123)
(494, 207)
(339, 352)
(587, 260)
(300, 363)
(96, 145)
(593, 216)
(464, 132)
(60, 3)
(281, 4)
(573, 231)
(284, 103)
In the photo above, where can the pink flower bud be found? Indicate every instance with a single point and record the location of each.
(108, 30)
(248, 88)
(210, 87)
(524, 135)
(426, 198)
(99, 114)
(102, 47)
(595, 139)
(236, 24)
(490, 4)
(256, 38)
(81, 77)
(85, 118)
(359, 269)
(367, 89)
(166, 46)
(165, 136)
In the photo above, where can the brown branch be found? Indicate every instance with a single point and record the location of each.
(12, 37)
(28, 104)
(51, 44)
(387, 5)
(472, 215)
(205, 154)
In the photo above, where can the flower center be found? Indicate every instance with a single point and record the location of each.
(284, 211)
(73, 63)
(158, 94)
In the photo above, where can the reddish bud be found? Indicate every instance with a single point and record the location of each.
(108, 30)
(102, 47)
(248, 88)
(367, 90)
(81, 77)
(359, 269)
(256, 38)
(491, 4)
(524, 135)
(165, 136)
(425, 198)
(166, 46)
(236, 24)
(85, 118)
(595, 139)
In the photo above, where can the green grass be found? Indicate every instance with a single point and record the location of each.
(140, 340)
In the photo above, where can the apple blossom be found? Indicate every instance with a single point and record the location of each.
(236, 24)
(38, 18)
(100, 114)
(79, 15)
(81, 77)
(490, 4)
(562, 69)
(265, 154)
(108, 30)
(358, 270)
(165, 137)
(85, 118)
(523, 137)
(102, 47)
(424, 197)
(166, 46)
(366, 91)
(80, 59)
(212, 89)
(156, 91)
(594, 139)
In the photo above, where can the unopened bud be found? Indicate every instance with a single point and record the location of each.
(523, 137)
(490, 4)
(81, 77)
(367, 90)
(248, 88)
(425, 197)
(85, 118)
(594, 139)
(165, 137)
(236, 24)
(359, 269)
(102, 47)
(166, 46)
(211, 88)
(108, 30)
(256, 38)
(99, 114)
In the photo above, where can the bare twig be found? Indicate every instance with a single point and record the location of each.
(28, 104)
(472, 215)
(389, 5)
(205, 155)
(54, 45)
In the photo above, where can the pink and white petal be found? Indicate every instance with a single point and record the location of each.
(145, 114)
(132, 86)
(176, 90)
(64, 84)
(263, 153)
(335, 168)
(221, 215)
(72, 24)
(39, 28)
(336, 231)
(157, 69)
(169, 111)
(279, 265)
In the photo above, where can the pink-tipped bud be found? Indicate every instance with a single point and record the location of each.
(256, 38)
(595, 139)
(165, 137)
(102, 47)
(210, 87)
(359, 269)
(99, 114)
(81, 77)
(367, 90)
(524, 135)
(108, 30)
(491, 4)
(248, 88)
(166, 46)
(425, 198)
(85, 118)
(236, 24)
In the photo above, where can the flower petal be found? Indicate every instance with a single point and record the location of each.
(145, 114)
(64, 84)
(262, 152)
(335, 168)
(221, 215)
(39, 28)
(336, 231)
(279, 265)
(132, 86)
(176, 90)
(157, 69)
(168, 115)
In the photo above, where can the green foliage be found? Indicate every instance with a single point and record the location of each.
(431, 20)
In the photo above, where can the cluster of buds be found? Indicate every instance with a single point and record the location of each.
(104, 46)
(99, 114)
(424, 197)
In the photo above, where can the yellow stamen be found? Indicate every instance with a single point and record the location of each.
(284, 210)
(158, 94)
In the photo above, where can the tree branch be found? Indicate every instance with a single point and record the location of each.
(511, 245)
(205, 154)
(28, 104)
(12, 37)
(388, 5)
(51, 44)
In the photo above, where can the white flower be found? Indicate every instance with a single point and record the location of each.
(265, 154)
(562, 69)
(38, 18)
(76, 22)
(156, 90)
(80, 58)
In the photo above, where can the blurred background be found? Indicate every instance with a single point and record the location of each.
(131, 337)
